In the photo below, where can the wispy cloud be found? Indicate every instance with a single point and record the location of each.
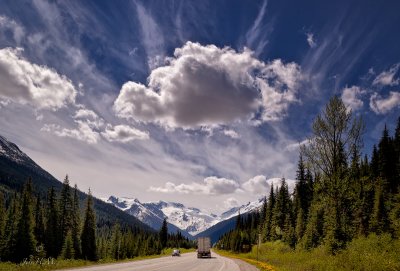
(381, 105)
(310, 40)
(387, 78)
(152, 37)
(256, 36)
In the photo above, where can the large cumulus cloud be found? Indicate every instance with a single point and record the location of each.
(207, 85)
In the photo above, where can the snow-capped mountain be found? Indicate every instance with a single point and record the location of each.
(187, 219)
(12, 152)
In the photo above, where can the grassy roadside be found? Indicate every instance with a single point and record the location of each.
(262, 265)
(64, 264)
(371, 253)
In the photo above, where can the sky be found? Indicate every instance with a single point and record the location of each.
(199, 102)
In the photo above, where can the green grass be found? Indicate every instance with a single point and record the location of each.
(64, 264)
(371, 253)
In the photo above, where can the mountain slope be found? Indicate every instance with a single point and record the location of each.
(16, 167)
(153, 218)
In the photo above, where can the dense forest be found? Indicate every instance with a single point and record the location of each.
(54, 226)
(339, 195)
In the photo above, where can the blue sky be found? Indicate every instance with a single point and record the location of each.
(189, 100)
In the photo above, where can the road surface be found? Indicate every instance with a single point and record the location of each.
(186, 262)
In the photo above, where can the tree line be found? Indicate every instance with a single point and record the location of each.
(339, 194)
(55, 226)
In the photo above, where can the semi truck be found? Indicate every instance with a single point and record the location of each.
(203, 247)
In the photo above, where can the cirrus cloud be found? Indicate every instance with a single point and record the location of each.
(207, 85)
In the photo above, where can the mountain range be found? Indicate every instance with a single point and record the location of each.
(189, 220)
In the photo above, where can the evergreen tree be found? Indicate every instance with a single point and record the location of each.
(375, 162)
(39, 222)
(25, 239)
(116, 240)
(395, 216)
(379, 221)
(3, 216)
(67, 251)
(66, 209)
(76, 224)
(387, 162)
(88, 237)
(268, 215)
(164, 234)
(10, 230)
(52, 237)
(281, 209)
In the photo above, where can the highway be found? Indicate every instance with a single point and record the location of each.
(186, 262)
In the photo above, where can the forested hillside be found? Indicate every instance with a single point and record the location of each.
(340, 194)
(56, 227)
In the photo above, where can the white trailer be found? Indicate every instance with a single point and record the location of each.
(203, 247)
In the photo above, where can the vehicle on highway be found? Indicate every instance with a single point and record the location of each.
(203, 247)
(176, 252)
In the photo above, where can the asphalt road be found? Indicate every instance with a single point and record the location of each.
(186, 262)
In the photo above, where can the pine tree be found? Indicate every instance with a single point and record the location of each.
(76, 224)
(88, 237)
(268, 215)
(39, 222)
(10, 230)
(164, 234)
(3, 216)
(116, 239)
(387, 166)
(66, 209)
(379, 221)
(281, 209)
(52, 237)
(395, 216)
(25, 240)
(67, 251)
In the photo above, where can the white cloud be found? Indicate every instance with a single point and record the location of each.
(296, 146)
(231, 202)
(90, 117)
(257, 185)
(387, 78)
(7, 24)
(351, 97)
(383, 105)
(123, 133)
(24, 82)
(83, 133)
(310, 40)
(152, 37)
(231, 133)
(206, 85)
(210, 186)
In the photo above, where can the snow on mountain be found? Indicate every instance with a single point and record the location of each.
(245, 208)
(188, 219)
(11, 151)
